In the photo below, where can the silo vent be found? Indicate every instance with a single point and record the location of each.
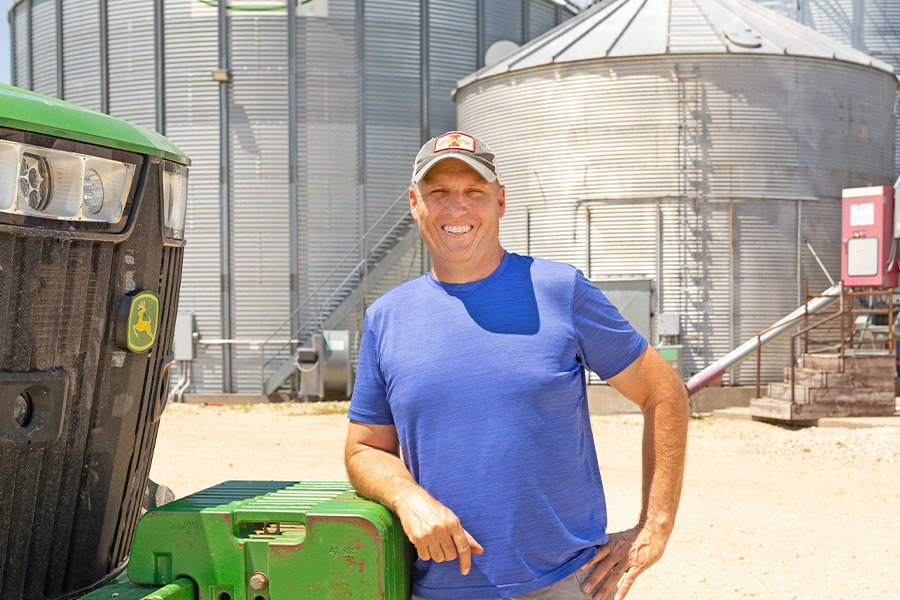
(745, 38)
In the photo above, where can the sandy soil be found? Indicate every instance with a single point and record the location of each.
(766, 512)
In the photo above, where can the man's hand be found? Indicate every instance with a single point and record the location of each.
(627, 553)
(435, 531)
(376, 471)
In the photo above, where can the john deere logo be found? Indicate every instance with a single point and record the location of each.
(138, 319)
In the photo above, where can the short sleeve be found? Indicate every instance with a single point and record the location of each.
(607, 343)
(368, 403)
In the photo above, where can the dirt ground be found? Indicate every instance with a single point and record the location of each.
(766, 512)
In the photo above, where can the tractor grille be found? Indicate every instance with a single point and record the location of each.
(68, 510)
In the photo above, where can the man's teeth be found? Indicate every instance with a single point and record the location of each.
(457, 228)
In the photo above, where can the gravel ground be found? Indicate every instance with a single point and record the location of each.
(767, 512)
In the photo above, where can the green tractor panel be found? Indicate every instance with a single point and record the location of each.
(91, 242)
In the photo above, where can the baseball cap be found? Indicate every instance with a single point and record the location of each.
(458, 145)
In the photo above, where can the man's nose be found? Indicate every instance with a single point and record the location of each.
(457, 203)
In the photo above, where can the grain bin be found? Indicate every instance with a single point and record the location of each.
(689, 147)
(867, 25)
(315, 121)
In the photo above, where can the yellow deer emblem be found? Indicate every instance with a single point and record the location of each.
(142, 324)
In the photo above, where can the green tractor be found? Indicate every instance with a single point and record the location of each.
(92, 216)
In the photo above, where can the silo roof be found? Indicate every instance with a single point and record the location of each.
(623, 28)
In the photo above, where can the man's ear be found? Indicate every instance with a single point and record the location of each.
(413, 201)
(502, 200)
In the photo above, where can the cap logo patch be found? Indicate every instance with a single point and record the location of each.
(454, 140)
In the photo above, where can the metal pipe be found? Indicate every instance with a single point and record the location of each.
(224, 201)
(425, 74)
(843, 310)
(59, 50)
(293, 223)
(818, 260)
(805, 316)
(361, 148)
(12, 48)
(480, 27)
(528, 231)
(249, 342)
(104, 57)
(31, 44)
(159, 66)
(779, 328)
(182, 588)
(184, 381)
(587, 241)
(526, 20)
(293, 201)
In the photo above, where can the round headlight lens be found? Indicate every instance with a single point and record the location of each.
(36, 181)
(93, 191)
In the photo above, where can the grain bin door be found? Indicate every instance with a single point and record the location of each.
(633, 299)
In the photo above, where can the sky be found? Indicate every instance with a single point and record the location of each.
(5, 5)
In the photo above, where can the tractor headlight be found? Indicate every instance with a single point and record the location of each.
(54, 184)
(175, 178)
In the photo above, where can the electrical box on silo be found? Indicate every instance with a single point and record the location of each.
(867, 237)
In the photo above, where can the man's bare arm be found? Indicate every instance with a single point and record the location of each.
(650, 383)
(376, 471)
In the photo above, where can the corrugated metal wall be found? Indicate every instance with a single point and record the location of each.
(192, 122)
(365, 99)
(43, 47)
(260, 235)
(328, 154)
(132, 86)
(453, 31)
(541, 18)
(21, 27)
(872, 26)
(81, 53)
(502, 21)
(730, 146)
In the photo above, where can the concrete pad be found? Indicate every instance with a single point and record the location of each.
(736, 413)
(603, 399)
(233, 398)
(860, 422)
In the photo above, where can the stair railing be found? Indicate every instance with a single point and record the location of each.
(846, 308)
(804, 331)
(314, 297)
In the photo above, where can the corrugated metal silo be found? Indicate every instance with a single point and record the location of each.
(867, 25)
(693, 145)
(319, 137)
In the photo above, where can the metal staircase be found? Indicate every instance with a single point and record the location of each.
(342, 290)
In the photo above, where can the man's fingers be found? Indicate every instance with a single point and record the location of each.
(473, 545)
(422, 551)
(600, 572)
(449, 549)
(609, 583)
(463, 550)
(602, 552)
(627, 581)
(437, 551)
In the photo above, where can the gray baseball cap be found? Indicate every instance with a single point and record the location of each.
(458, 145)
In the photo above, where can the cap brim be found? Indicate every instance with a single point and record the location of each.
(479, 168)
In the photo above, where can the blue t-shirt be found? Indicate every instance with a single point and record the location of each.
(485, 384)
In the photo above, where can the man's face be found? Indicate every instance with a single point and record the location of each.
(458, 213)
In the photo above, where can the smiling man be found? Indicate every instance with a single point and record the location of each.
(469, 416)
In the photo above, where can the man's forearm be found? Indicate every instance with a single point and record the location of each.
(666, 416)
(380, 476)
